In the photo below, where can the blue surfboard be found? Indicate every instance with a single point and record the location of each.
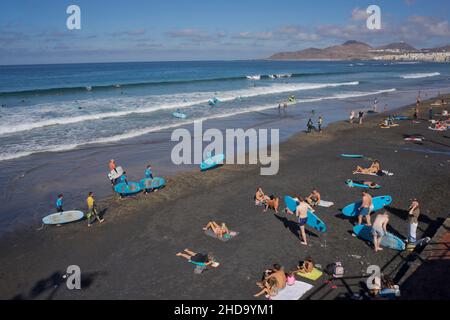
(313, 221)
(179, 115)
(378, 203)
(63, 217)
(212, 162)
(346, 155)
(401, 118)
(152, 184)
(388, 240)
(353, 184)
(127, 189)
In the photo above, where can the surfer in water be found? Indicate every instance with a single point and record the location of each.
(314, 198)
(92, 209)
(365, 208)
(379, 229)
(148, 172)
(59, 204)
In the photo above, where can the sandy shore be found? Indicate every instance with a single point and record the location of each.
(132, 255)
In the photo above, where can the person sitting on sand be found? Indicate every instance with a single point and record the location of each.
(276, 272)
(197, 258)
(220, 230)
(260, 197)
(373, 169)
(306, 266)
(272, 203)
(365, 208)
(314, 198)
(269, 287)
(379, 229)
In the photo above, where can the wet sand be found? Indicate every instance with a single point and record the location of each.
(132, 254)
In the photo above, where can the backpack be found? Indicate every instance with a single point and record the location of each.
(335, 269)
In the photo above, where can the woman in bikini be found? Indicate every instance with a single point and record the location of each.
(260, 197)
(219, 230)
(373, 169)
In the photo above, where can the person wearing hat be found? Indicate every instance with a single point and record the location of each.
(413, 220)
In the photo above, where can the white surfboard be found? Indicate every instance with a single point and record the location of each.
(114, 175)
(326, 204)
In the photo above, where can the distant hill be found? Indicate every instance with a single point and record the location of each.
(402, 46)
(350, 50)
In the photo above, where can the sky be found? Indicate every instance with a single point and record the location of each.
(35, 32)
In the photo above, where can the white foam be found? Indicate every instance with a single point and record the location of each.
(136, 133)
(141, 105)
(420, 75)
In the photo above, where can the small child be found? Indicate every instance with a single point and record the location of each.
(290, 279)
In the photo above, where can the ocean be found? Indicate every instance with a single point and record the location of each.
(49, 108)
(60, 124)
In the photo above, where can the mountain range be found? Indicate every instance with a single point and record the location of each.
(353, 50)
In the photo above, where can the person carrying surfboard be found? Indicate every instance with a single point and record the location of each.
(379, 229)
(59, 203)
(148, 172)
(302, 213)
(364, 209)
(92, 209)
(112, 165)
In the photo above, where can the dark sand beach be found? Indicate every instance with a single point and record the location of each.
(132, 254)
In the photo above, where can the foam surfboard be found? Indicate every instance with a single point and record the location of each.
(353, 184)
(113, 175)
(401, 118)
(127, 189)
(313, 275)
(63, 217)
(378, 203)
(326, 204)
(212, 162)
(151, 184)
(388, 240)
(312, 221)
(346, 155)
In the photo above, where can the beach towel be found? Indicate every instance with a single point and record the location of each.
(294, 292)
(211, 234)
(326, 204)
(384, 173)
(313, 275)
(434, 129)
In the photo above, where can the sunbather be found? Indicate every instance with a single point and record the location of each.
(276, 272)
(370, 184)
(306, 266)
(197, 258)
(314, 198)
(269, 287)
(374, 168)
(272, 203)
(260, 197)
(219, 230)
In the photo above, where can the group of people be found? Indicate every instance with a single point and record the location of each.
(353, 115)
(92, 213)
(310, 125)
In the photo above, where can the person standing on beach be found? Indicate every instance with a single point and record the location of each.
(352, 116)
(379, 229)
(319, 123)
(375, 105)
(430, 112)
(59, 204)
(413, 217)
(92, 209)
(360, 117)
(148, 172)
(302, 213)
(112, 165)
(364, 209)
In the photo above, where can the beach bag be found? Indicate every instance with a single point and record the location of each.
(336, 270)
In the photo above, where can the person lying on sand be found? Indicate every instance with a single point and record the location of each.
(197, 258)
(370, 184)
(260, 197)
(221, 231)
(374, 168)
(379, 229)
(314, 198)
(365, 208)
(306, 266)
(272, 203)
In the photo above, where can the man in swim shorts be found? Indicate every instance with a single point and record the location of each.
(364, 209)
(302, 213)
(314, 198)
(379, 229)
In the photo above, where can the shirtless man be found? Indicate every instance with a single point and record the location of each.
(379, 229)
(279, 274)
(364, 209)
(302, 213)
(314, 198)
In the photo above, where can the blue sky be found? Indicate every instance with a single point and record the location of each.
(144, 30)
